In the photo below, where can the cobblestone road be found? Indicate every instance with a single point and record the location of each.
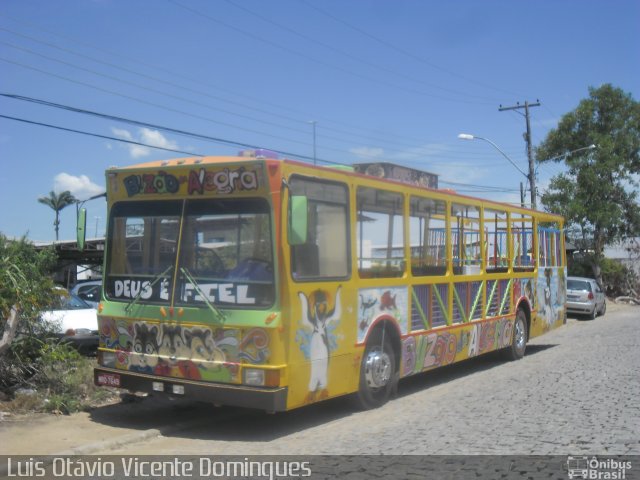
(577, 391)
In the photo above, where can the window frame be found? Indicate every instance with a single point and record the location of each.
(347, 210)
(402, 259)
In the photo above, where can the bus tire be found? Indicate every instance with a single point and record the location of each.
(515, 351)
(378, 376)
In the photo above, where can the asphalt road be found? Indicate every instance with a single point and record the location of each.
(575, 393)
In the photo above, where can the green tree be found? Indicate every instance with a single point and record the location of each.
(598, 193)
(57, 202)
(26, 287)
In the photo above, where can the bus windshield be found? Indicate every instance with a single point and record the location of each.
(191, 252)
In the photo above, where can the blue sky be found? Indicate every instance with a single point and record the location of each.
(383, 80)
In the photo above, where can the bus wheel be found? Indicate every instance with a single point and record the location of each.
(519, 337)
(378, 376)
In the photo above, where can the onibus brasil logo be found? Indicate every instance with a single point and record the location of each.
(594, 468)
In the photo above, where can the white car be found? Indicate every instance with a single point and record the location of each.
(75, 322)
(585, 297)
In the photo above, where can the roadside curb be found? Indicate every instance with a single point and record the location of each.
(107, 444)
(127, 439)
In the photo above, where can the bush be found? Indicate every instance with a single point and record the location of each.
(616, 277)
(60, 380)
(40, 373)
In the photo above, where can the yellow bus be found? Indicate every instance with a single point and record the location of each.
(269, 283)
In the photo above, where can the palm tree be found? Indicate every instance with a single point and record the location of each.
(57, 202)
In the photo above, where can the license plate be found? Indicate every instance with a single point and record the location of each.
(109, 379)
(572, 297)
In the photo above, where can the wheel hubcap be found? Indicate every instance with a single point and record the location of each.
(377, 369)
(520, 335)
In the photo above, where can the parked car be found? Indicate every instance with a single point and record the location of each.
(585, 297)
(89, 291)
(74, 321)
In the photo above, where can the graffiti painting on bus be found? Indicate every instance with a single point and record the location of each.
(317, 338)
(196, 353)
(437, 349)
(524, 288)
(374, 303)
(552, 295)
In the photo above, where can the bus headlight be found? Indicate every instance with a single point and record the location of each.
(254, 376)
(107, 359)
(261, 378)
(177, 389)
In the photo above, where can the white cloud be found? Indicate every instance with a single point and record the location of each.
(81, 187)
(144, 135)
(155, 138)
(367, 153)
(422, 153)
(122, 133)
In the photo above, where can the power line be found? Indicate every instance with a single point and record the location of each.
(158, 127)
(315, 60)
(147, 88)
(179, 74)
(489, 188)
(173, 85)
(176, 97)
(199, 92)
(492, 187)
(107, 137)
(400, 50)
(416, 155)
(145, 102)
(532, 173)
(139, 123)
(333, 49)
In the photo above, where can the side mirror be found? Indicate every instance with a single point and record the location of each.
(298, 216)
(81, 228)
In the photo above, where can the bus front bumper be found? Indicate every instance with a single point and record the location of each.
(263, 398)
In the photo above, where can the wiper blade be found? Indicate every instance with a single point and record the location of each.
(218, 314)
(154, 280)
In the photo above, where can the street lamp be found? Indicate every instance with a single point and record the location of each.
(529, 176)
(566, 154)
(81, 220)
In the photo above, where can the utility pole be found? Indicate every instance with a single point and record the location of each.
(313, 123)
(527, 138)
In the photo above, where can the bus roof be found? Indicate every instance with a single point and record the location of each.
(230, 159)
(177, 162)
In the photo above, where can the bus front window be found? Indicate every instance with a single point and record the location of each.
(143, 239)
(222, 251)
(226, 254)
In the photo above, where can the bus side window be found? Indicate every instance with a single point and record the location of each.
(325, 255)
(427, 229)
(380, 233)
(549, 244)
(466, 239)
(522, 242)
(496, 247)
(305, 260)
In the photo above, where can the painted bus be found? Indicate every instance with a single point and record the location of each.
(270, 283)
